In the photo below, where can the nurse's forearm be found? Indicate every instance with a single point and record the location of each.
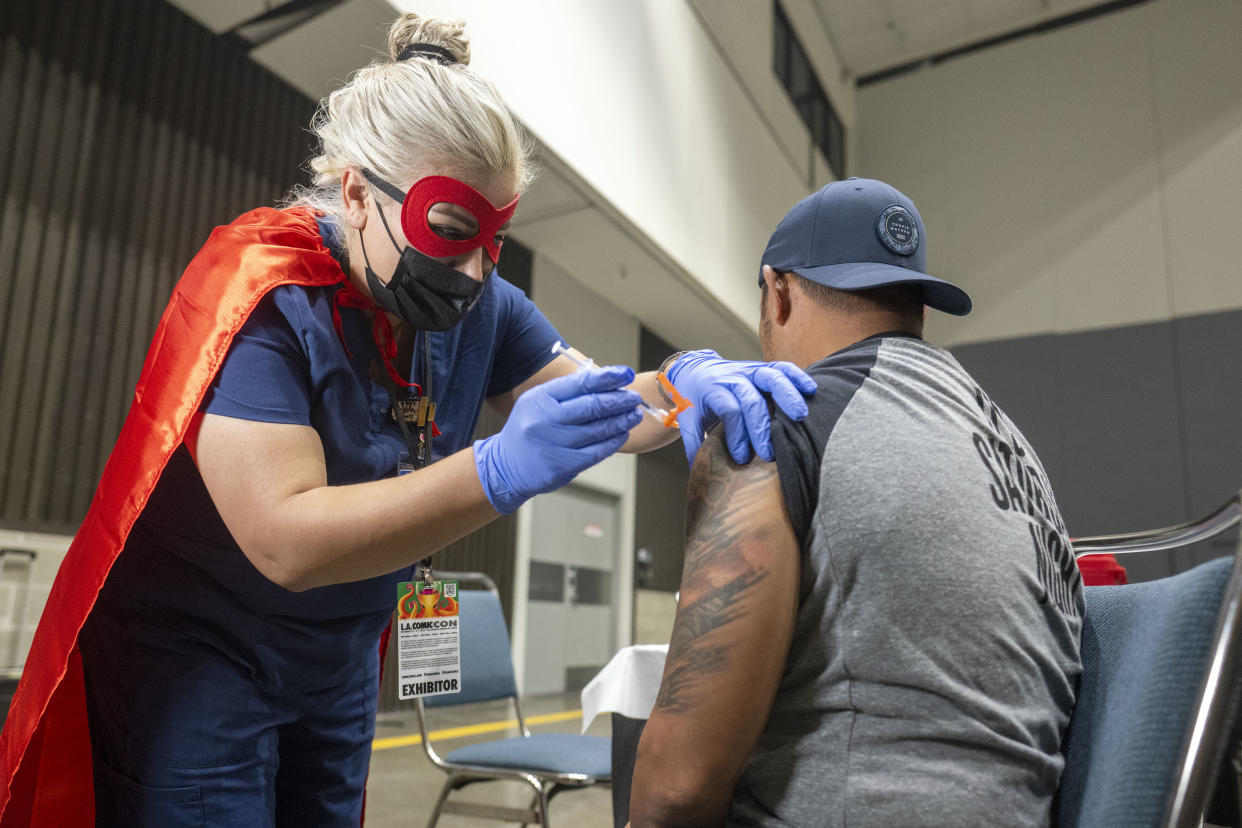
(269, 483)
(649, 434)
(333, 534)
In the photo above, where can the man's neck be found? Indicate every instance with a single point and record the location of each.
(835, 331)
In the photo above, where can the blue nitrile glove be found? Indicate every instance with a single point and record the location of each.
(555, 431)
(720, 388)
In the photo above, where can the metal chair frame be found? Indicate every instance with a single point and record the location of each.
(545, 784)
(1208, 736)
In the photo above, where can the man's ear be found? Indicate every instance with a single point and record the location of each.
(354, 194)
(779, 303)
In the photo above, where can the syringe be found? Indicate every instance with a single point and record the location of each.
(583, 362)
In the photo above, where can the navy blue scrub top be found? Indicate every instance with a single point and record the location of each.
(181, 566)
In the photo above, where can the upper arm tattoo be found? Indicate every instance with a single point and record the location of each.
(730, 515)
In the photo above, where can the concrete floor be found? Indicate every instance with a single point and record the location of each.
(403, 785)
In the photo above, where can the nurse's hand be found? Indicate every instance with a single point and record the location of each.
(555, 431)
(729, 391)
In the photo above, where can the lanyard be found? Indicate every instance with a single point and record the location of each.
(420, 411)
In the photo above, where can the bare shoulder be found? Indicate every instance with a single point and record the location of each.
(720, 487)
(731, 511)
(738, 537)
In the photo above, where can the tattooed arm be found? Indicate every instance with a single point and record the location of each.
(739, 595)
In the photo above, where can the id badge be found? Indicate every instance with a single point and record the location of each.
(428, 639)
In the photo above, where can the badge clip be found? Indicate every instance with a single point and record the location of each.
(426, 411)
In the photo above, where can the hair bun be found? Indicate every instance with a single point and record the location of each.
(411, 29)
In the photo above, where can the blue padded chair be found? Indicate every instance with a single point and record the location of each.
(548, 762)
(1159, 686)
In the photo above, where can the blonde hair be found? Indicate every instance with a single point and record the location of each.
(395, 115)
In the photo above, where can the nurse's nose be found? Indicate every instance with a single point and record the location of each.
(476, 264)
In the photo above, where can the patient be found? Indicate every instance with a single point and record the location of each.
(881, 627)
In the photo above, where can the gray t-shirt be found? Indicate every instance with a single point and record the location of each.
(935, 655)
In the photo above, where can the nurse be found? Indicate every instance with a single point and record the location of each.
(252, 524)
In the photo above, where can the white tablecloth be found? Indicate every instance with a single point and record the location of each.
(628, 684)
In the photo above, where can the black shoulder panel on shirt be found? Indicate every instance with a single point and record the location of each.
(799, 446)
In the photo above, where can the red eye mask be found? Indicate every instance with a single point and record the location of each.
(437, 189)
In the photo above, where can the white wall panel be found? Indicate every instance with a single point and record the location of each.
(585, 319)
(638, 101)
(744, 32)
(599, 329)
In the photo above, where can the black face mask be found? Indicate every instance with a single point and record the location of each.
(429, 295)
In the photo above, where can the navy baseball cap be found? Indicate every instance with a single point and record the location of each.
(860, 233)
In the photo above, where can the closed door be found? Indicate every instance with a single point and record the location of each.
(570, 613)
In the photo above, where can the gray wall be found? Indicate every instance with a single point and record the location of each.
(1084, 186)
(1138, 426)
(660, 500)
(128, 132)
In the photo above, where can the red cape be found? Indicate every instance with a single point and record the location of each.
(45, 746)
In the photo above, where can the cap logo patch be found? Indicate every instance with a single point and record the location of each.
(898, 230)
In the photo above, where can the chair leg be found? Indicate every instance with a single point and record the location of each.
(540, 802)
(444, 792)
(543, 806)
(534, 805)
(1237, 769)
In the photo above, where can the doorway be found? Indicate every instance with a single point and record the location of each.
(571, 614)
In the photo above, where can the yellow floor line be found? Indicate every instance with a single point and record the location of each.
(473, 730)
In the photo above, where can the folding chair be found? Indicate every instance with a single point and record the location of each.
(548, 762)
(1159, 686)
